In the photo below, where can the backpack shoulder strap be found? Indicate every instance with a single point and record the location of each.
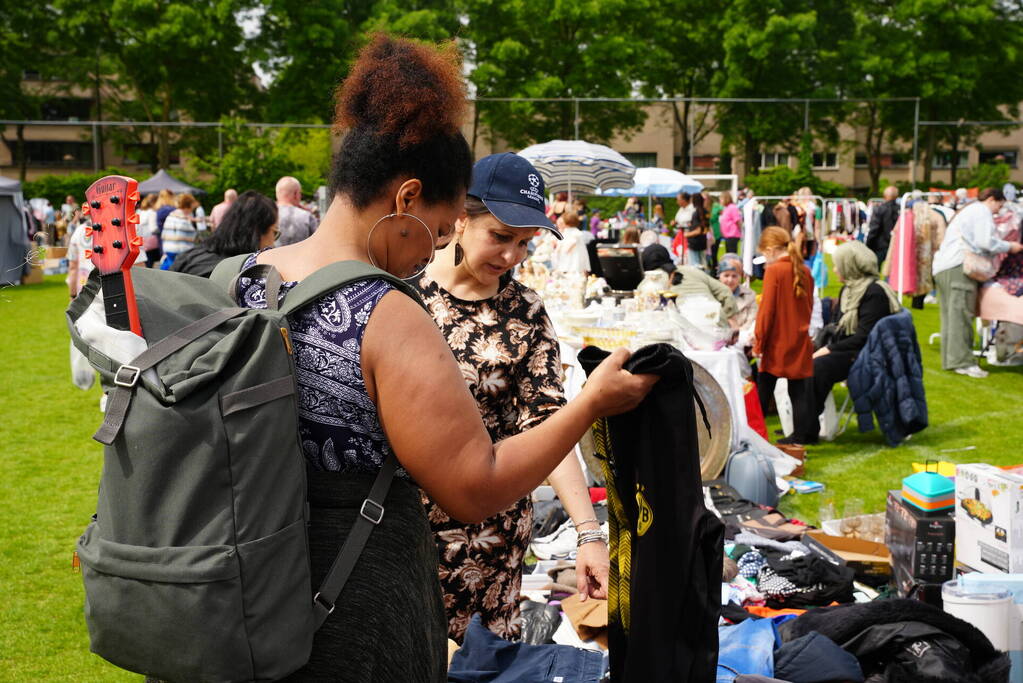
(336, 275)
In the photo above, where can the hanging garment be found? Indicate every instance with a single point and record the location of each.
(901, 262)
(751, 228)
(666, 560)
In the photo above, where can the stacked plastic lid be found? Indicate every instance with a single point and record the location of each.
(929, 491)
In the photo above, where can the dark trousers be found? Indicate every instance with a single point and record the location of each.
(732, 245)
(805, 428)
(828, 371)
(712, 256)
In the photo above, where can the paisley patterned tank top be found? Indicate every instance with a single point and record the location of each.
(338, 422)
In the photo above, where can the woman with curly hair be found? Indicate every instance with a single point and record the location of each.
(377, 384)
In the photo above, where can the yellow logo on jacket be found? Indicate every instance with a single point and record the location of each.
(646, 513)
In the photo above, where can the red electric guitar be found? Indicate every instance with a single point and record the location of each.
(110, 205)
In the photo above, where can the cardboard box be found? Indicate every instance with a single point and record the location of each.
(34, 277)
(871, 561)
(922, 544)
(989, 518)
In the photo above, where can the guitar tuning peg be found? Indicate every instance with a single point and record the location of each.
(88, 232)
(133, 218)
(85, 208)
(88, 253)
(134, 196)
(136, 241)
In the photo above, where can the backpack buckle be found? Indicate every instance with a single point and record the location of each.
(373, 514)
(128, 380)
(324, 603)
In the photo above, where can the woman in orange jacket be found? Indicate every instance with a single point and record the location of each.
(782, 342)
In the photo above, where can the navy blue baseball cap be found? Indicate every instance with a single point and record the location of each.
(511, 189)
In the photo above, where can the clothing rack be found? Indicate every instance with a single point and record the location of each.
(915, 194)
(746, 244)
(844, 201)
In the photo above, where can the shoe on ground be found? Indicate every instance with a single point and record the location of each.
(972, 371)
(930, 299)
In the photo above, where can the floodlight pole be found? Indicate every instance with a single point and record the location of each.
(916, 142)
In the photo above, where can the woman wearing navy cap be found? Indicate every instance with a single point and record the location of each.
(508, 352)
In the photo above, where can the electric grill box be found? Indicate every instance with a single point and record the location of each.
(989, 518)
(922, 544)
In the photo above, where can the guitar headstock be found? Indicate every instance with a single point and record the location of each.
(110, 207)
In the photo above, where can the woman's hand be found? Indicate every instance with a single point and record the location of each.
(822, 351)
(592, 564)
(611, 389)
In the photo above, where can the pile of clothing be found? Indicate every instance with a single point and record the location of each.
(788, 614)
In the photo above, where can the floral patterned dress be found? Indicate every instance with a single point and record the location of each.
(508, 353)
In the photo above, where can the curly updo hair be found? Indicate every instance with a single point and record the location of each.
(401, 109)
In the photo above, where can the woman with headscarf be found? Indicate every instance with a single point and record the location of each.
(864, 300)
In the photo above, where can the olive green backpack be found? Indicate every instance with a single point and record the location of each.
(196, 563)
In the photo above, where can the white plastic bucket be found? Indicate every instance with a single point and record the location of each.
(989, 612)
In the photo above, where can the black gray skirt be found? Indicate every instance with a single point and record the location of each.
(389, 624)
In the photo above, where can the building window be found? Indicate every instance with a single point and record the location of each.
(825, 160)
(66, 109)
(993, 156)
(894, 160)
(943, 159)
(54, 153)
(706, 162)
(772, 159)
(642, 159)
(145, 154)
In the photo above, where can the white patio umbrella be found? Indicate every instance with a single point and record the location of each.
(656, 182)
(580, 166)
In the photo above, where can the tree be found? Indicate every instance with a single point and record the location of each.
(305, 48)
(684, 49)
(881, 65)
(24, 39)
(162, 60)
(551, 48)
(780, 49)
(966, 59)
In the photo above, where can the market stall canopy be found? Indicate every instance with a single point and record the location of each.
(163, 180)
(656, 182)
(575, 165)
(9, 186)
(14, 243)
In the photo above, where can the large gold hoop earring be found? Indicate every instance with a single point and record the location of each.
(404, 233)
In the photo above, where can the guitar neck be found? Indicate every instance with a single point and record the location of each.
(119, 302)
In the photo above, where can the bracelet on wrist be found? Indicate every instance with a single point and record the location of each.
(594, 539)
(585, 521)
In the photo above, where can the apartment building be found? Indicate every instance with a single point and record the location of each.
(67, 146)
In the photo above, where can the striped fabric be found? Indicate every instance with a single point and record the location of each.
(579, 166)
(178, 234)
(619, 576)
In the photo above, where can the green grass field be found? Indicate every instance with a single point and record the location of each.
(50, 469)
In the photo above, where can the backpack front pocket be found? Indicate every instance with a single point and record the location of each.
(169, 612)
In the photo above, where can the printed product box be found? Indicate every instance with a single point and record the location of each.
(989, 518)
(922, 544)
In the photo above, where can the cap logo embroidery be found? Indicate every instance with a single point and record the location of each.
(534, 180)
